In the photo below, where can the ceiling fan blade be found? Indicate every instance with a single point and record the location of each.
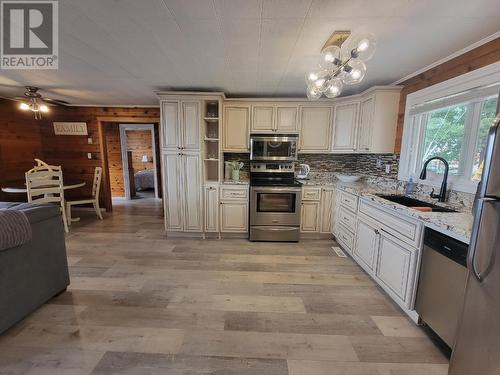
(55, 101)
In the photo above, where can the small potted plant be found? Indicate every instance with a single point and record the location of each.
(236, 167)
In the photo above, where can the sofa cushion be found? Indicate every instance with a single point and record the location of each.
(35, 213)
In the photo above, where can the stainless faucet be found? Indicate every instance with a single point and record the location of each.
(423, 175)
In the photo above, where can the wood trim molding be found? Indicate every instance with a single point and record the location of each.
(130, 119)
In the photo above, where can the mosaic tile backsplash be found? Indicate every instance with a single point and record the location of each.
(325, 166)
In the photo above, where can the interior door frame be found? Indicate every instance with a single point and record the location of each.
(123, 145)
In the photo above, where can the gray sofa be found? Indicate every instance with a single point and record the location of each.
(33, 273)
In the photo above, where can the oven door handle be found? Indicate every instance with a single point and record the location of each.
(277, 190)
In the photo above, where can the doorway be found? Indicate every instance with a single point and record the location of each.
(139, 161)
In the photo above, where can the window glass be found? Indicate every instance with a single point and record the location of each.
(444, 136)
(488, 113)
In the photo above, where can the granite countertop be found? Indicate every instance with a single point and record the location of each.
(233, 182)
(455, 224)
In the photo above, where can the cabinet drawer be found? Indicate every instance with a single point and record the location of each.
(344, 237)
(406, 229)
(347, 218)
(348, 200)
(311, 194)
(232, 193)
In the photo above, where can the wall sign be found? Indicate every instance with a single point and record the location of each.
(70, 128)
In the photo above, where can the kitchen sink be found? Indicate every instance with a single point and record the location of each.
(412, 202)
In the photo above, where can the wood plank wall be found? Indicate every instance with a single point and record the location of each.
(486, 54)
(20, 143)
(114, 152)
(22, 138)
(139, 142)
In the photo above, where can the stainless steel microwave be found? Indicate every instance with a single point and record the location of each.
(273, 147)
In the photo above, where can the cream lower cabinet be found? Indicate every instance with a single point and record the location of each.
(327, 217)
(182, 187)
(366, 245)
(309, 216)
(211, 215)
(396, 267)
(234, 209)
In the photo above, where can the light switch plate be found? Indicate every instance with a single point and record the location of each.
(89, 155)
(89, 141)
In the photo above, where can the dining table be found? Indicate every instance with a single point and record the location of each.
(19, 187)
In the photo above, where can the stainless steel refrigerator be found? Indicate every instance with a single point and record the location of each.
(477, 345)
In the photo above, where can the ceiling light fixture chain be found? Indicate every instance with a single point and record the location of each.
(342, 62)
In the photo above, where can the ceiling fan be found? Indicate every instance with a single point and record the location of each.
(35, 102)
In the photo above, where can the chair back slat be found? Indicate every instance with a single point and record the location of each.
(96, 184)
(43, 180)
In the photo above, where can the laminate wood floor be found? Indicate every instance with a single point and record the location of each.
(143, 304)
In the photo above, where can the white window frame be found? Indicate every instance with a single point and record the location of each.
(414, 124)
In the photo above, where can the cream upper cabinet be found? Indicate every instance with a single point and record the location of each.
(286, 119)
(170, 129)
(191, 125)
(262, 118)
(378, 117)
(366, 111)
(345, 127)
(273, 118)
(180, 124)
(236, 128)
(315, 129)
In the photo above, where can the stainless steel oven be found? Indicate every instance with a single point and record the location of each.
(273, 147)
(275, 213)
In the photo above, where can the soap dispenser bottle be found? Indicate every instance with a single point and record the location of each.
(410, 186)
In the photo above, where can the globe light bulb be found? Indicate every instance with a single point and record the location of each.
(362, 46)
(334, 88)
(356, 72)
(313, 93)
(44, 108)
(329, 57)
(24, 106)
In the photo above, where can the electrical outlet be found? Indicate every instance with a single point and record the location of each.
(89, 141)
(387, 168)
(379, 163)
(89, 155)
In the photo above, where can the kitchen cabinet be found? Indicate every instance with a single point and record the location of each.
(180, 123)
(234, 216)
(366, 110)
(182, 186)
(315, 129)
(234, 208)
(274, 118)
(211, 201)
(309, 214)
(366, 245)
(236, 128)
(396, 268)
(345, 127)
(327, 202)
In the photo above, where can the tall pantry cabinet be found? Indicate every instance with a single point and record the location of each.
(181, 162)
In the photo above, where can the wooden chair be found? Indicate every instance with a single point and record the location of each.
(94, 199)
(44, 184)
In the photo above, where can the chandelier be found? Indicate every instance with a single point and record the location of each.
(342, 62)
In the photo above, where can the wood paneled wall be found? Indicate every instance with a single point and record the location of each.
(139, 142)
(115, 166)
(486, 54)
(20, 143)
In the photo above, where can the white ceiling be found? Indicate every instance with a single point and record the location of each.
(122, 51)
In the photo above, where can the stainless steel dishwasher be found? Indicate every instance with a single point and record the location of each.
(441, 283)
